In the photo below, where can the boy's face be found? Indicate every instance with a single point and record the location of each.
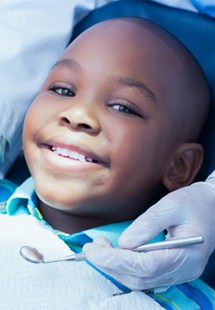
(99, 135)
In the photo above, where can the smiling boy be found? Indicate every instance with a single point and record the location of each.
(117, 118)
(112, 122)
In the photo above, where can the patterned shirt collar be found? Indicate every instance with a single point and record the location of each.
(25, 201)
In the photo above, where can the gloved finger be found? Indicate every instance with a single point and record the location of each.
(102, 242)
(145, 263)
(141, 270)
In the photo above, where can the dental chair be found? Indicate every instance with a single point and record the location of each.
(197, 32)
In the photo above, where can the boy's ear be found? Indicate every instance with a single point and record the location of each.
(185, 165)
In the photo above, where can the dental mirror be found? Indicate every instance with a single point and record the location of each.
(33, 255)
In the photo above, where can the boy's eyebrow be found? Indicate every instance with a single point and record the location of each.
(143, 88)
(69, 63)
(128, 82)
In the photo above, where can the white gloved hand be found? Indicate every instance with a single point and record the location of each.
(185, 212)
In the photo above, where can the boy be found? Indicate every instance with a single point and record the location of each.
(117, 118)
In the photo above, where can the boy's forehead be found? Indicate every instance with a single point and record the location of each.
(137, 50)
(121, 34)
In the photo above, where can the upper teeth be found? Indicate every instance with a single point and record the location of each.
(72, 154)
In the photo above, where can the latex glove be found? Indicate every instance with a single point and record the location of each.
(186, 212)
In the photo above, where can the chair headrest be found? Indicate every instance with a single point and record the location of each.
(195, 30)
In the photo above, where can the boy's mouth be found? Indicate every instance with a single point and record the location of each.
(73, 154)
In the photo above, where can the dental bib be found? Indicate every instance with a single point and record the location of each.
(63, 285)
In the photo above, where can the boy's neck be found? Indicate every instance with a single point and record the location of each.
(67, 222)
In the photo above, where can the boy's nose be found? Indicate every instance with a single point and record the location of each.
(82, 118)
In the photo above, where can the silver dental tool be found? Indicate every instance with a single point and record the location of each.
(169, 244)
(33, 255)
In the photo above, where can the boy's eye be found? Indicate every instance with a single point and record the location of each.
(121, 108)
(62, 90)
(124, 108)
